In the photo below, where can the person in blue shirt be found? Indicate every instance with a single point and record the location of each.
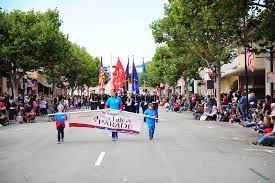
(151, 121)
(60, 118)
(114, 102)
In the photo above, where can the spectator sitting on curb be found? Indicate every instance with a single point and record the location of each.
(198, 112)
(268, 138)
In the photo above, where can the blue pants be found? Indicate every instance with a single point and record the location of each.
(151, 131)
(219, 117)
(250, 124)
(114, 135)
(60, 133)
(267, 139)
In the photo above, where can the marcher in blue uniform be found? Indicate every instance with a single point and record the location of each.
(136, 99)
(129, 103)
(102, 98)
(114, 102)
(93, 100)
(151, 121)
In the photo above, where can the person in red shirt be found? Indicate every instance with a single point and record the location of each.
(225, 100)
(2, 105)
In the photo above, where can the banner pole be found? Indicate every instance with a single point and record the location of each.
(101, 110)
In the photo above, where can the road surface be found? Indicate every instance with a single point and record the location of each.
(183, 151)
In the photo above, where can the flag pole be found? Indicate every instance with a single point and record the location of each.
(111, 70)
(144, 75)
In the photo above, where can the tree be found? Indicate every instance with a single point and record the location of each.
(78, 69)
(29, 40)
(209, 29)
(164, 67)
(260, 24)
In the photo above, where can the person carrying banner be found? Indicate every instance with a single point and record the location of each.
(60, 118)
(114, 102)
(151, 121)
(94, 100)
(102, 98)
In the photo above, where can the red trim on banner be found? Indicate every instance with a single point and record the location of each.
(81, 125)
(103, 128)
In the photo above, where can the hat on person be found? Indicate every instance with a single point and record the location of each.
(251, 103)
(151, 104)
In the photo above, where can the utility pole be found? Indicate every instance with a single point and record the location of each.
(271, 51)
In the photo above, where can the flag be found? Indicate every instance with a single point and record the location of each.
(101, 75)
(127, 77)
(249, 60)
(119, 76)
(144, 72)
(135, 87)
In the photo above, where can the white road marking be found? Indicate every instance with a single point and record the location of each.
(19, 129)
(124, 180)
(99, 159)
(263, 150)
(232, 138)
(204, 126)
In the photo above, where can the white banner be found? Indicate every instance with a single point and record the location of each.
(112, 120)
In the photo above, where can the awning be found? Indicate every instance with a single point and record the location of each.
(40, 80)
(241, 72)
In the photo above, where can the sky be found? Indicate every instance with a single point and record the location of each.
(107, 28)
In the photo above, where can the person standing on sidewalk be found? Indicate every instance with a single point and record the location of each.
(114, 102)
(60, 118)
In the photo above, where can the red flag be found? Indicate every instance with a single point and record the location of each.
(101, 76)
(249, 60)
(119, 75)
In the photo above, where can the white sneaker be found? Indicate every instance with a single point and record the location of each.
(58, 142)
(62, 140)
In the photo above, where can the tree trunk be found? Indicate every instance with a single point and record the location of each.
(54, 87)
(14, 85)
(218, 84)
(187, 91)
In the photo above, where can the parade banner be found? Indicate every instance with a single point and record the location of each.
(112, 120)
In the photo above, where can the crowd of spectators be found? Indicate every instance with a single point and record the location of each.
(25, 109)
(235, 108)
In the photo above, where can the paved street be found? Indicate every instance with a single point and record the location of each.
(183, 151)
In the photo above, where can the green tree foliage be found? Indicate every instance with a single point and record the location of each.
(30, 40)
(260, 25)
(80, 68)
(201, 33)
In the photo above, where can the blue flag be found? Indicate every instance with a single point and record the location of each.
(127, 77)
(144, 71)
(135, 87)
